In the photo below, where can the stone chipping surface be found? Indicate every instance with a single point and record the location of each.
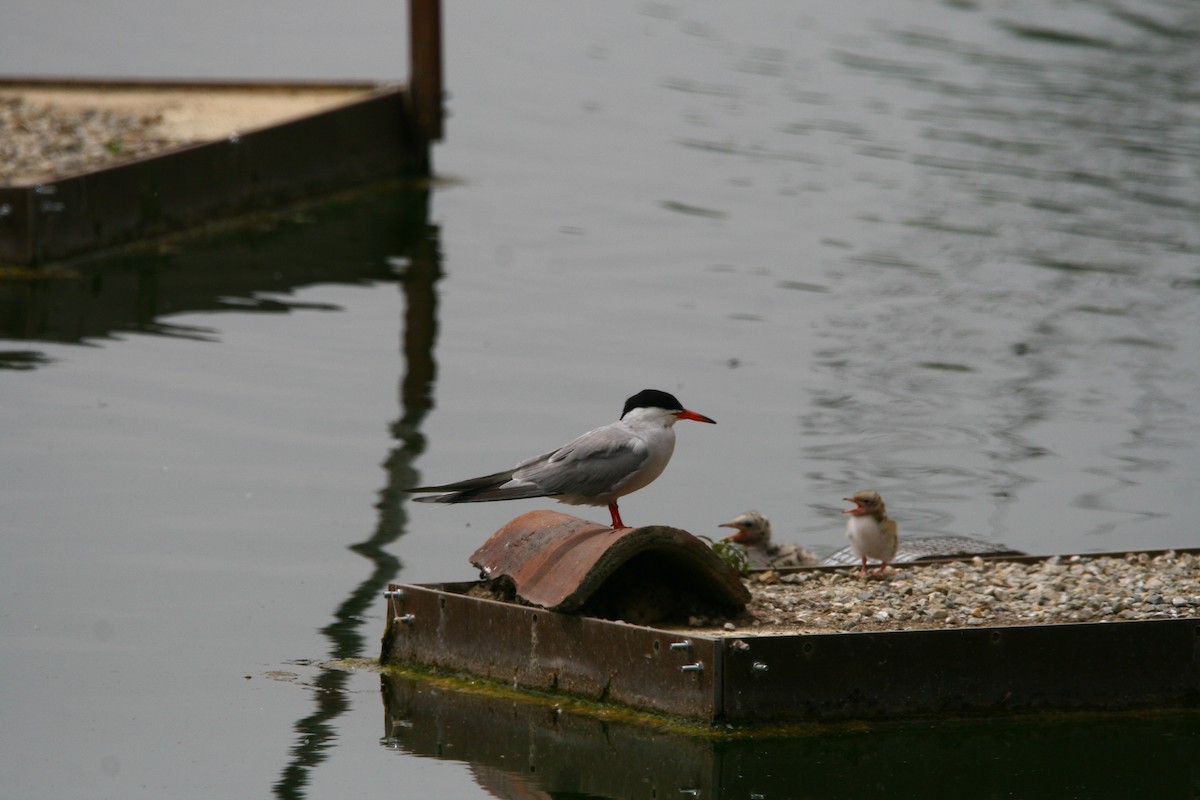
(50, 131)
(40, 141)
(971, 593)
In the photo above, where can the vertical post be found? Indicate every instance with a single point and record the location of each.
(425, 67)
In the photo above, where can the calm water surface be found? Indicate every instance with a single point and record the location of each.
(948, 250)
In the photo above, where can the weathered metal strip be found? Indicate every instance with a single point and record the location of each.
(532, 648)
(1100, 666)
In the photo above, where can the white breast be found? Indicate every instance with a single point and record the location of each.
(867, 539)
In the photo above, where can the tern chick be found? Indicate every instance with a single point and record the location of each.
(872, 533)
(754, 533)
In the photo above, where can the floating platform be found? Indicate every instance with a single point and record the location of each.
(223, 149)
(746, 678)
(243, 147)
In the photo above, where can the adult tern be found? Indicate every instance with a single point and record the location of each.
(595, 469)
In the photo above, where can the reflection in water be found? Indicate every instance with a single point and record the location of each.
(524, 750)
(229, 270)
(379, 235)
(419, 257)
(23, 359)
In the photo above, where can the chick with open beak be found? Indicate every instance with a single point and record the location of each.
(872, 533)
(754, 533)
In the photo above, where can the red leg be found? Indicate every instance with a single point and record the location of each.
(616, 517)
(863, 569)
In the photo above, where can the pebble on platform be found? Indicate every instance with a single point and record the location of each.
(51, 131)
(958, 594)
(38, 141)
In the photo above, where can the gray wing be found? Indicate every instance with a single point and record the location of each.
(478, 490)
(594, 464)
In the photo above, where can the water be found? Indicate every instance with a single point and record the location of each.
(535, 748)
(944, 250)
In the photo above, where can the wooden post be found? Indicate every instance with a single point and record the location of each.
(425, 67)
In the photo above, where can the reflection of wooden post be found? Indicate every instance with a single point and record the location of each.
(425, 67)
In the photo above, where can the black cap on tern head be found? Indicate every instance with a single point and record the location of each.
(652, 398)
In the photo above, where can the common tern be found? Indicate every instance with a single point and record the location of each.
(872, 533)
(754, 533)
(595, 469)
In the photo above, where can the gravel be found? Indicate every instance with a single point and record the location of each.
(39, 142)
(972, 593)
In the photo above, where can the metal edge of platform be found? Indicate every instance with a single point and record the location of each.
(961, 672)
(368, 138)
(441, 628)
